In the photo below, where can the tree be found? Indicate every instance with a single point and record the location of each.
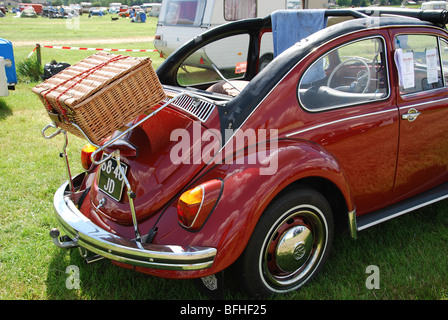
(344, 3)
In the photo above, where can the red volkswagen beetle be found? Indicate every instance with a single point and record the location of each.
(274, 131)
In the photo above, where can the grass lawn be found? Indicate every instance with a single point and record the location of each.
(410, 252)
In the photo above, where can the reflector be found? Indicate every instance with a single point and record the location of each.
(86, 152)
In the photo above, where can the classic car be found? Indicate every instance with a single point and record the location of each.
(254, 166)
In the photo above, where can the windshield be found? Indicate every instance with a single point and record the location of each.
(182, 13)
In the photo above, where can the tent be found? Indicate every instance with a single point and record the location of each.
(28, 12)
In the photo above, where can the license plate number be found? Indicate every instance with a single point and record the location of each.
(110, 180)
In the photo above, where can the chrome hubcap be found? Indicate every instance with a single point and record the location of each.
(294, 248)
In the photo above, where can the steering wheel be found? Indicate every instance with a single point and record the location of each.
(362, 79)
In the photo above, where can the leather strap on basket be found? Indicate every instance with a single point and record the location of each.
(83, 75)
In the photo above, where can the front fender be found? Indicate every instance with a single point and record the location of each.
(247, 193)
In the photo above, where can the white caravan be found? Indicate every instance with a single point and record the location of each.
(434, 5)
(182, 20)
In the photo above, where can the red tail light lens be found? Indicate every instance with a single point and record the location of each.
(194, 206)
(86, 152)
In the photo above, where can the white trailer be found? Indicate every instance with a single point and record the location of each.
(182, 20)
(434, 5)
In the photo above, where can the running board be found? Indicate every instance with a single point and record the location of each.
(414, 203)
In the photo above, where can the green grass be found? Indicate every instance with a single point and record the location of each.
(411, 251)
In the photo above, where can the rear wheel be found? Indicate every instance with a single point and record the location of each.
(289, 244)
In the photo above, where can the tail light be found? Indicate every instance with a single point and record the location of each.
(195, 205)
(86, 152)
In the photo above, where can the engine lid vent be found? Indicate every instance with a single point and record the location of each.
(198, 108)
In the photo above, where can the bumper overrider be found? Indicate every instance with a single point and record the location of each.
(85, 234)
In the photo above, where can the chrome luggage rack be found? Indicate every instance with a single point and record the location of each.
(198, 103)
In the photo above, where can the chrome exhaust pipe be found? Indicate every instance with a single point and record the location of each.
(54, 234)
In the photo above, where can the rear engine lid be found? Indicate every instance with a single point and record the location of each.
(160, 157)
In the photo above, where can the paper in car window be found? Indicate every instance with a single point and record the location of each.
(405, 66)
(431, 65)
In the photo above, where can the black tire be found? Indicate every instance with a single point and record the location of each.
(289, 245)
(265, 60)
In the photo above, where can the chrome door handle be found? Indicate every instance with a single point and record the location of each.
(411, 115)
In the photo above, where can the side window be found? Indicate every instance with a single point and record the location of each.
(227, 57)
(444, 52)
(418, 63)
(351, 74)
(240, 9)
(183, 12)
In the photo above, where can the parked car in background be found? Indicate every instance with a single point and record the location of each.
(255, 169)
(114, 7)
(85, 7)
(97, 11)
(3, 8)
(153, 9)
(124, 14)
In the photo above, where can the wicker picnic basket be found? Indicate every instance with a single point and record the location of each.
(100, 94)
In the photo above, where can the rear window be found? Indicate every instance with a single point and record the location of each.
(183, 13)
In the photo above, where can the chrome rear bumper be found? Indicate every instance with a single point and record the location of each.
(84, 233)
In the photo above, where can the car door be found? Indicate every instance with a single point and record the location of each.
(422, 99)
(353, 115)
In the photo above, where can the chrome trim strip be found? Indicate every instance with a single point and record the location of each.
(421, 205)
(423, 103)
(340, 120)
(91, 237)
(352, 224)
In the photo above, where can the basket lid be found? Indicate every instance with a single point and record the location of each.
(81, 80)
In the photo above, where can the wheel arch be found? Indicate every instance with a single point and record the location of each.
(330, 191)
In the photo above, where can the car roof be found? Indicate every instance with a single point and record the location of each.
(239, 108)
(274, 72)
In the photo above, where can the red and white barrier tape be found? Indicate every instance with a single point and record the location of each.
(31, 53)
(100, 49)
(93, 49)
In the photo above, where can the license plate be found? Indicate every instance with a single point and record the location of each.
(110, 180)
